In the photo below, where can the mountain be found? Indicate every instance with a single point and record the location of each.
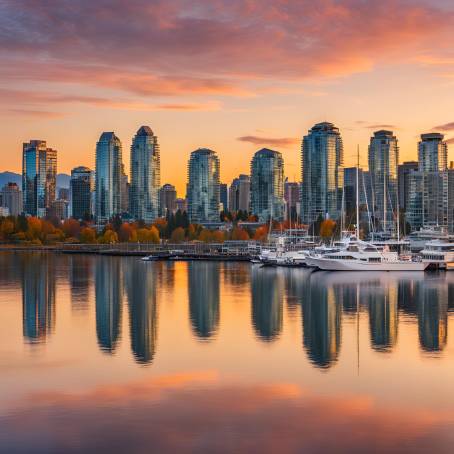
(63, 180)
(11, 177)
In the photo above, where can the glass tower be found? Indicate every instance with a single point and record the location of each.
(322, 174)
(80, 194)
(108, 177)
(432, 153)
(383, 159)
(145, 175)
(39, 177)
(267, 185)
(203, 186)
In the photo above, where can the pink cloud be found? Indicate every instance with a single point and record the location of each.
(171, 47)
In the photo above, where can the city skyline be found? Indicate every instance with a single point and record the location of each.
(77, 78)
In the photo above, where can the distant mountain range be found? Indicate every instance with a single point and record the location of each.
(11, 177)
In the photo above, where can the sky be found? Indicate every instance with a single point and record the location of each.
(230, 75)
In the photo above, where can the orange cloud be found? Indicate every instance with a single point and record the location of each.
(285, 142)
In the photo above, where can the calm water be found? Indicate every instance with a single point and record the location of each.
(112, 354)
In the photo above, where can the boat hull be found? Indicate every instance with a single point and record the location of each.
(356, 265)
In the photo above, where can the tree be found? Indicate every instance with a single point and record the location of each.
(34, 230)
(218, 236)
(178, 235)
(108, 237)
(125, 232)
(239, 234)
(7, 229)
(327, 228)
(87, 235)
(205, 236)
(261, 234)
(22, 223)
(71, 228)
(154, 235)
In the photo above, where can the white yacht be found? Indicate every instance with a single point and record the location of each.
(439, 254)
(421, 237)
(362, 256)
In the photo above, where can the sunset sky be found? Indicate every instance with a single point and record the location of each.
(231, 75)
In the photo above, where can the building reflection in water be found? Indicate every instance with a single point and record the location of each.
(322, 316)
(80, 271)
(109, 296)
(203, 288)
(140, 283)
(432, 316)
(38, 296)
(267, 293)
(383, 316)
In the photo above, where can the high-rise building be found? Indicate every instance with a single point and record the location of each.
(145, 175)
(203, 186)
(383, 159)
(39, 177)
(292, 196)
(267, 185)
(108, 177)
(181, 204)
(63, 193)
(240, 194)
(223, 197)
(432, 153)
(81, 188)
(322, 173)
(12, 199)
(60, 209)
(403, 181)
(125, 191)
(167, 199)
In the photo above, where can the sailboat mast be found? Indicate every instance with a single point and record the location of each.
(357, 195)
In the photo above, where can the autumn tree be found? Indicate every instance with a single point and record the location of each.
(327, 228)
(178, 235)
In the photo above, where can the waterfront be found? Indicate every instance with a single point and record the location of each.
(109, 353)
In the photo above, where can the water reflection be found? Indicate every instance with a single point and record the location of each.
(109, 297)
(383, 319)
(38, 297)
(322, 315)
(204, 293)
(80, 270)
(267, 294)
(320, 299)
(432, 316)
(140, 282)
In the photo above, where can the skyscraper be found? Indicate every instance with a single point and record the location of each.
(432, 153)
(39, 177)
(108, 177)
(203, 186)
(383, 159)
(12, 199)
(167, 199)
(267, 185)
(145, 175)
(223, 196)
(125, 191)
(322, 155)
(240, 194)
(428, 187)
(292, 196)
(81, 188)
(403, 179)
